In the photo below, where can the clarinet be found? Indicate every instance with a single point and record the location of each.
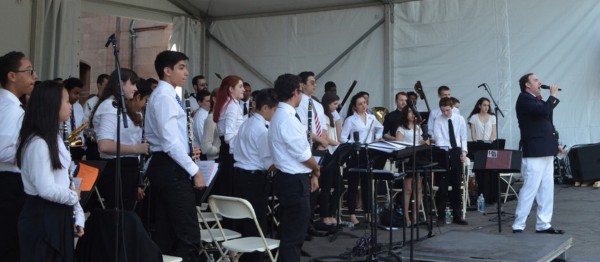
(142, 182)
(66, 141)
(188, 112)
(309, 131)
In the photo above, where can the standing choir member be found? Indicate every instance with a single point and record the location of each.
(483, 128)
(451, 132)
(172, 172)
(539, 143)
(369, 129)
(253, 161)
(229, 117)
(204, 105)
(17, 79)
(210, 143)
(328, 201)
(104, 122)
(51, 211)
(297, 170)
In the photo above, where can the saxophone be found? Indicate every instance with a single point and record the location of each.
(73, 140)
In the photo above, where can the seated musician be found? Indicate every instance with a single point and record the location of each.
(406, 132)
(450, 132)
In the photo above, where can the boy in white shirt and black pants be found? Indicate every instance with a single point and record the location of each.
(450, 131)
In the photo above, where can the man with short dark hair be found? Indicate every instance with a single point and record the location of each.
(539, 143)
(203, 100)
(198, 83)
(443, 92)
(297, 170)
(91, 102)
(330, 88)
(171, 168)
(17, 79)
(391, 122)
(245, 102)
(74, 87)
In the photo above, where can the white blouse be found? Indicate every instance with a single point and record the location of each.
(39, 179)
(105, 126)
(409, 133)
(372, 127)
(230, 120)
(483, 131)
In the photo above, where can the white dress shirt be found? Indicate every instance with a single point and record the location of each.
(198, 125)
(194, 104)
(287, 139)
(353, 123)
(252, 145)
(331, 134)
(435, 114)
(317, 111)
(88, 107)
(248, 107)
(230, 121)
(441, 135)
(11, 119)
(40, 179)
(105, 126)
(211, 144)
(166, 126)
(78, 114)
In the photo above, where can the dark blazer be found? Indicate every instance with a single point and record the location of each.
(538, 137)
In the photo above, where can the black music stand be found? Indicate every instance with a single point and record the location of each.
(498, 161)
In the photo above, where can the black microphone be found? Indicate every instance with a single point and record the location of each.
(356, 141)
(111, 38)
(412, 106)
(481, 85)
(548, 87)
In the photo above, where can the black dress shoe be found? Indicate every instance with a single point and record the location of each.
(460, 221)
(550, 230)
(315, 233)
(517, 231)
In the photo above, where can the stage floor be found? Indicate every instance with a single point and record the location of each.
(576, 211)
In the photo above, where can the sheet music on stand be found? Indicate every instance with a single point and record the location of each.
(209, 170)
(388, 146)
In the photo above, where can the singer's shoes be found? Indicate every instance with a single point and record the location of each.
(517, 231)
(551, 230)
(596, 184)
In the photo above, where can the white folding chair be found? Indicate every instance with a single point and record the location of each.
(238, 208)
(212, 236)
(510, 190)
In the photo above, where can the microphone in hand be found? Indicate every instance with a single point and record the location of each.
(548, 87)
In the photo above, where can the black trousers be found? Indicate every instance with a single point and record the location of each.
(12, 198)
(129, 181)
(453, 178)
(177, 231)
(224, 184)
(253, 186)
(329, 200)
(358, 161)
(293, 191)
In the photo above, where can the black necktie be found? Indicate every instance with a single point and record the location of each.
(72, 120)
(245, 108)
(22, 106)
(297, 116)
(452, 136)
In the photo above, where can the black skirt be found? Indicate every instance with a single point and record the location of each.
(46, 231)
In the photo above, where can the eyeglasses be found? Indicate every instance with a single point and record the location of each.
(30, 71)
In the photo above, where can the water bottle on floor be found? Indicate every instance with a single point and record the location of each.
(448, 216)
(481, 204)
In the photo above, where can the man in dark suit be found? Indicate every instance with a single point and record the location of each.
(539, 143)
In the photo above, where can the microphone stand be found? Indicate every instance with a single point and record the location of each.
(121, 112)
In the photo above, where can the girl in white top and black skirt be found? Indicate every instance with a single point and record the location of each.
(406, 133)
(104, 122)
(229, 117)
(483, 128)
(51, 211)
(367, 126)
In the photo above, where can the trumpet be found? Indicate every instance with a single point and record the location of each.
(73, 140)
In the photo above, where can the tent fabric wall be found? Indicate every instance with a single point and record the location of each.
(304, 42)
(187, 38)
(56, 38)
(463, 43)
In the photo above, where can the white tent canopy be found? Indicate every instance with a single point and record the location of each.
(388, 45)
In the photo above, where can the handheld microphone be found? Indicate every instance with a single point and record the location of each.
(356, 141)
(481, 85)
(111, 38)
(548, 87)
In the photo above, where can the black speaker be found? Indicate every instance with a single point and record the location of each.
(585, 162)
